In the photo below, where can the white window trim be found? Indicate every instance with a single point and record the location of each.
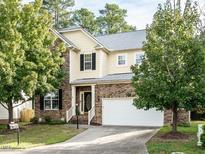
(80, 105)
(118, 59)
(51, 109)
(88, 61)
(140, 52)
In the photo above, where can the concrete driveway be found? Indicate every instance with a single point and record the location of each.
(100, 140)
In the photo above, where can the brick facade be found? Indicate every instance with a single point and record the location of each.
(110, 91)
(101, 91)
(66, 93)
(183, 116)
(126, 90)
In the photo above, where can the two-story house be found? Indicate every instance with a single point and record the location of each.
(98, 81)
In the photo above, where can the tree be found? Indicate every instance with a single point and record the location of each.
(86, 19)
(172, 74)
(27, 65)
(112, 20)
(59, 10)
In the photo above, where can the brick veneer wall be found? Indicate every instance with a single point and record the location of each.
(183, 116)
(66, 93)
(126, 90)
(109, 91)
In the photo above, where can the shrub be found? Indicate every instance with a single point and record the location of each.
(34, 120)
(48, 119)
(203, 139)
(184, 124)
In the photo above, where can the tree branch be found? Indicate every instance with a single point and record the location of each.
(4, 105)
(22, 102)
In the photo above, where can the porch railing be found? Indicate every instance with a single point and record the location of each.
(91, 114)
(69, 114)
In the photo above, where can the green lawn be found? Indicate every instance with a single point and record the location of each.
(158, 146)
(37, 135)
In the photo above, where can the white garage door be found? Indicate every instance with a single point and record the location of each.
(122, 112)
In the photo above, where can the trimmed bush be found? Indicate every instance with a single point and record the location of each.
(34, 120)
(203, 140)
(203, 137)
(48, 119)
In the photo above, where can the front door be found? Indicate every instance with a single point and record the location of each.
(85, 101)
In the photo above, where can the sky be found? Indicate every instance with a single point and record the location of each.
(139, 12)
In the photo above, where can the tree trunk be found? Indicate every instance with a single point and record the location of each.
(175, 117)
(10, 111)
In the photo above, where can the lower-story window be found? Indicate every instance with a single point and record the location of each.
(51, 101)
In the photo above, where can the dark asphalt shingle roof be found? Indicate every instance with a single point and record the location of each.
(123, 41)
(121, 77)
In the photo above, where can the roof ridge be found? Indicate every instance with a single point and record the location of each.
(119, 33)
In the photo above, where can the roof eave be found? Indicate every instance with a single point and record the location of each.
(127, 49)
(62, 39)
(102, 82)
(90, 35)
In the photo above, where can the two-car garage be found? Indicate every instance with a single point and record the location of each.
(122, 112)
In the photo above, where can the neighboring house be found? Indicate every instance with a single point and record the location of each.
(98, 81)
(16, 112)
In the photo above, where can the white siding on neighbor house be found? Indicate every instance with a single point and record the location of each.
(16, 111)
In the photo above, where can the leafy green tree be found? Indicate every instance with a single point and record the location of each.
(27, 65)
(60, 12)
(86, 19)
(112, 20)
(172, 74)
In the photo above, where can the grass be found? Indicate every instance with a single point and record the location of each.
(36, 135)
(159, 146)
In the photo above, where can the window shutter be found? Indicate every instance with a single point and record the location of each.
(93, 61)
(41, 102)
(81, 62)
(60, 99)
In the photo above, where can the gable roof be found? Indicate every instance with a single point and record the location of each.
(74, 28)
(123, 41)
(110, 42)
(64, 39)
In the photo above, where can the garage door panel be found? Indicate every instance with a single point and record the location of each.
(123, 112)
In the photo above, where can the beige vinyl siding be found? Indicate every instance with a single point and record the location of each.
(81, 40)
(113, 59)
(106, 63)
(103, 62)
(86, 46)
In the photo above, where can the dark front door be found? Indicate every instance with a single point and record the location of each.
(88, 101)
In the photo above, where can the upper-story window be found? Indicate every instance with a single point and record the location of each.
(51, 101)
(139, 57)
(88, 62)
(122, 60)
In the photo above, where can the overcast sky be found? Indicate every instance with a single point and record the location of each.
(140, 12)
